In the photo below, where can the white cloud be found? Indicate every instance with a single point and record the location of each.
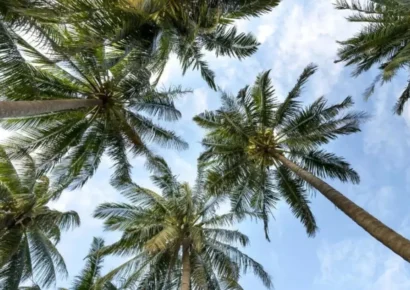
(387, 136)
(264, 32)
(382, 202)
(378, 201)
(85, 200)
(395, 276)
(347, 262)
(234, 74)
(200, 100)
(172, 70)
(307, 33)
(193, 103)
(362, 264)
(293, 35)
(185, 171)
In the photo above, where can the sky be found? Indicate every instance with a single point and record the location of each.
(341, 255)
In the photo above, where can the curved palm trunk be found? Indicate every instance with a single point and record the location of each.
(391, 239)
(186, 267)
(13, 109)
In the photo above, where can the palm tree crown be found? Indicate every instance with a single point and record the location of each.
(248, 133)
(382, 42)
(179, 228)
(182, 27)
(110, 102)
(29, 229)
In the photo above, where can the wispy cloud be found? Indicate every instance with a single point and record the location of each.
(361, 264)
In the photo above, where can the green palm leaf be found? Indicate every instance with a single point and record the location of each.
(292, 190)
(92, 269)
(30, 229)
(47, 262)
(382, 42)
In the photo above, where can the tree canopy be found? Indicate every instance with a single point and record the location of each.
(157, 227)
(77, 139)
(162, 28)
(245, 136)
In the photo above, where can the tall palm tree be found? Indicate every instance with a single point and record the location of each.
(71, 107)
(266, 150)
(29, 229)
(178, 229)
(182, 27)
(383, 41)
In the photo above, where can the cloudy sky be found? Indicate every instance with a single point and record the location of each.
(342, 255)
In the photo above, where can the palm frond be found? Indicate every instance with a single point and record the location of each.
(247, 9)
(162, 176)
(228, 42)
(108, 210)
(191, 56)
(404, 97)
(381, 42)
(227, 236)
(326, 165)
(91, 271)
(263, 95)
(245, 261)
(63, 220)
(47, 261)
(8, 174)
(320, 123)
(12, 272)
(290, 106)
(292, 190)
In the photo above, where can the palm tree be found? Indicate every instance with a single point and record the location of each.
(265, 150)
(383, 41)
(29, 229)
(71, 107)
(178, 229)
(182, 27)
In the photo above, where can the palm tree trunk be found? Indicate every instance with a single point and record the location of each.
(391, 239)
(13, 109)
(186, 267)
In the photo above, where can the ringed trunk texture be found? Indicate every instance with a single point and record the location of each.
(15, 109)
(186, 267)
(391, 239)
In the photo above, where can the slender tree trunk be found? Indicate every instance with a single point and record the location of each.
(13, 109)
(391, 239)
(186, 267)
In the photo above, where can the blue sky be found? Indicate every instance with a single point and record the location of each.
(342, 255)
